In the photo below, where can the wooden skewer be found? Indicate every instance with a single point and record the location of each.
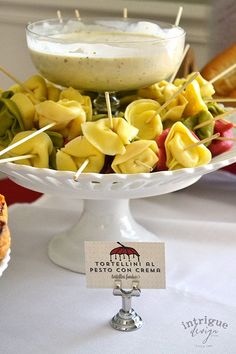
(108, 103)
(225, 138)
(186, 49)
(12, 77)
(125, 12)
(16, 158)
(77, 14)
(37, 132)
(178, 17)
(138, 162)
(223, 73)
(59, 16)
(80, 170)
(215, 136)
(182, 88)
(209, 121)
(209, 100)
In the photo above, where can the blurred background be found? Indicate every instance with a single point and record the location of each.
(15, 14)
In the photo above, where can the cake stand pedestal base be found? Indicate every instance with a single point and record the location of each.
(101, 220)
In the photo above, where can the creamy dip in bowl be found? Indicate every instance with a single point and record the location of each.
(105, 54)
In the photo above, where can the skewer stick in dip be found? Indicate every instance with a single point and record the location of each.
(80, 170)
(223, 73)
(178, 17)
(59, 16)
(77, 14)
(37, 132)
(16, 158)
(186, 49)
(108, 103)
(125, 12)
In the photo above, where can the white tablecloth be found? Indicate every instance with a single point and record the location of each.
(48, 310)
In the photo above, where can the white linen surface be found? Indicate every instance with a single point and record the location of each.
(48, 309)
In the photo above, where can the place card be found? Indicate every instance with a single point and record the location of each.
(142, 262)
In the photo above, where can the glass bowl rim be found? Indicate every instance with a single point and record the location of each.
(162, 24)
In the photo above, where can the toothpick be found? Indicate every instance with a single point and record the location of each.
(186, 49)
(225, 138)
(108, 103)
(12, 77)
(182, 88)
(59, 16)
(223, 73)
(209, 138)
(125, 12)
(178, 92)
(220, 99)
(209, 121)
(178, 17)
(138, 162)
(16, 158)
(37, 132)
(80, 170)
(77, 14)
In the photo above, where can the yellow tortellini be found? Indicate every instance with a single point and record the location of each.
(74, 95)
(160, 91)
(53, 92)
(177, 153)
(109, 140)
(140, 157)
(73, 155)
(40, 146)
(142, 114)
(68, 116)
(206, 88)
(194, 98)
(174, 110)
(37, 85)
(26, 108)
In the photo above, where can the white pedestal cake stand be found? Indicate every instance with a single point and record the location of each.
(106, 215)
(4, 262)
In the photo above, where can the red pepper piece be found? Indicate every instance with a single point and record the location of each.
(217, 147)
(222, 126)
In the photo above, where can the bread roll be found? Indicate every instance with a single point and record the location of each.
(5, 239)
(227, 85)
(3, 209)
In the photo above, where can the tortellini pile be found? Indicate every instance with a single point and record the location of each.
(127, 144)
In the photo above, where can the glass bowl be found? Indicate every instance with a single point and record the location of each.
(105, 54)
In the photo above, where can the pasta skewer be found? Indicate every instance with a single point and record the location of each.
(209, 121)
(215, 136)
(80, 170)
(37, 132)
(16, 158)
